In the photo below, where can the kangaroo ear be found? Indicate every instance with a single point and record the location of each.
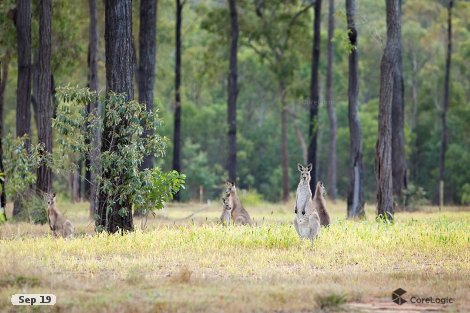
(299, 167)
(309, 167)
(53, 195)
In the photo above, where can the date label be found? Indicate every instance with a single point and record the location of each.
(33, 299)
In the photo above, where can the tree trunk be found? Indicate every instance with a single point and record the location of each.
(331, 180)
(388, 68)
(398, 121)
(3, 82)
(314, 95)
(232, 95)
(44, 106)
(284, 148)
(147, 54)
(23, 89)
(356, 192)
(177, 118)
(445, 106)
(35, 85)
(414, 159)
(94, 164)
(119, 79)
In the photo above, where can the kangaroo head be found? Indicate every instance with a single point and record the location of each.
(51, 199)
(230, 187)
(304, 172)
(226, 204)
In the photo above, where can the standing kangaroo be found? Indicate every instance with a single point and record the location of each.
(60, 226)
(306, 221)
(239, 214)
(226, 216)
(319, 203)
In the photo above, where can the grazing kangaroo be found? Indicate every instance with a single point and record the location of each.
(306, 221)
(226, 213)
(319, 203)
(239, 214)
(60, 226)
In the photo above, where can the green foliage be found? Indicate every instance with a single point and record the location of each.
(273, 47)
(36, 208)
(158, 188)
(413, 198)
(250, 197)
(466, 194)
(8, 34)
(123, 148)
(19, 164)
(199, 172)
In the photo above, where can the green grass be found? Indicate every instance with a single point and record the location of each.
(179, 264)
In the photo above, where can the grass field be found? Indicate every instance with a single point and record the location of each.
(187, 263)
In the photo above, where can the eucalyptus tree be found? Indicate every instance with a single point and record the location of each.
(388, 66)
(44, 104)
(356, 185)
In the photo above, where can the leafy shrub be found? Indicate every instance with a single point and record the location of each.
(413, 197)
(250, 197)
(465, 198)
(20, 165)
(157, 188)
(120, 177)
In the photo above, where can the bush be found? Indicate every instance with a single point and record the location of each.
(413, 197)
(465, 198)
(120, 177)
(250, 197)
(20, 166)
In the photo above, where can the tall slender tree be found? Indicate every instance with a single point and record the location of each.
(4, 63)
(356, 192)
(331, 180)
(119, 79)
(398, 121)
(445, 105)
(284, 150)
(232, 89)
(44, 105)
(23, 89)
(177, 117)
(93, 108)
(388, 67)
(147, 54)
(314, 94)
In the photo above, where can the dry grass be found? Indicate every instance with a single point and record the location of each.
(181, 264)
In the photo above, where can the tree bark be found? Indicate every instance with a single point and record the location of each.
(330, 105)
(445, 106)
(232, 89)
(356, 191)
(388, 68)
(23, 89)
(398, 121)
(147, 54)
(93, 168)
(44, 105)
(119, 79)
(177, 117)
(284, 148)
(3, 82)
(314, 95)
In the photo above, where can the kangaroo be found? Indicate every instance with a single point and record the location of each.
(60, 226)
(226, 213)
(320, 204)
(239, 214)
(306, 221)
